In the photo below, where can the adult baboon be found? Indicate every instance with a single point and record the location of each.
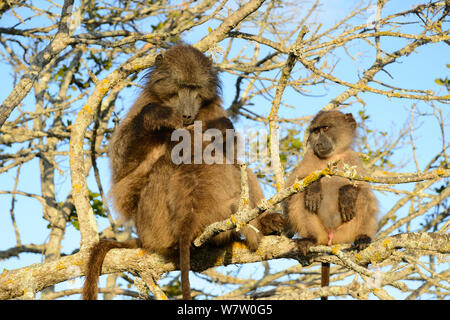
(170, 203)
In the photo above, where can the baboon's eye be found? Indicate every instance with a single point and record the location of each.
(325, 128)
(316, 130)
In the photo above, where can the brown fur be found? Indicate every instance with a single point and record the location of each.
(172, 204)
(333, 204)
(96, 257)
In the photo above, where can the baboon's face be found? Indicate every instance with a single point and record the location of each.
(331, 132)
(184, 79)
(187, 101)
(322, 141)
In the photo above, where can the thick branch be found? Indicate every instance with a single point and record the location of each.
(300, 185)
(39, 276)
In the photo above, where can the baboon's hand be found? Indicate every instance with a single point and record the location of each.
(313, 196)
(156, 116)
(221, 123)
(347, 202)
(272, 223)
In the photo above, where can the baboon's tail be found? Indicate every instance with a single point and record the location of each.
(185, 264)
(325, 277)
(94, 265)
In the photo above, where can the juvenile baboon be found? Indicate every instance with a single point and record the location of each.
(170, 203)
(333, 209)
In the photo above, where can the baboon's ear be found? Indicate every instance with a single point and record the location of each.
(159, 59)
(349, 118)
